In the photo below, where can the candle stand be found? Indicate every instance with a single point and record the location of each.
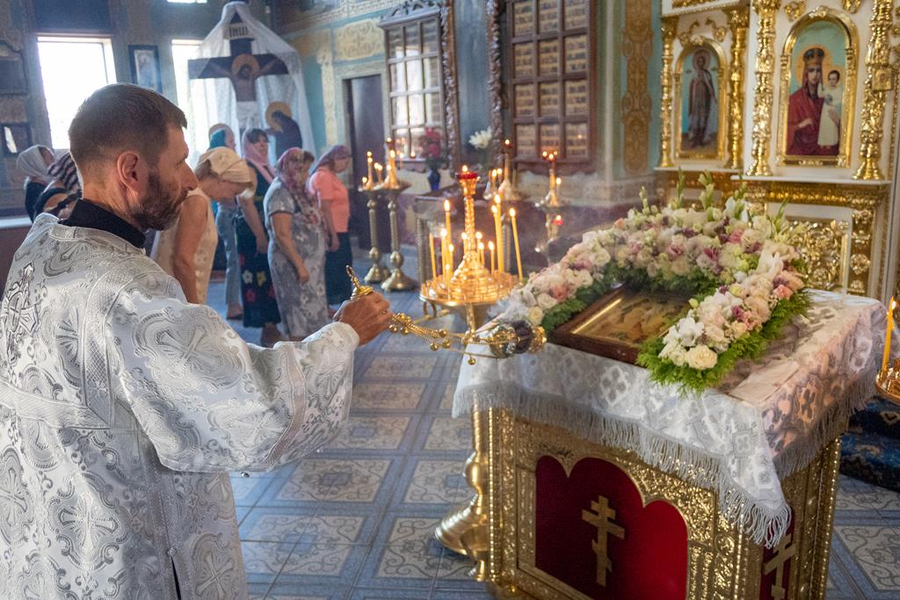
(378, 272)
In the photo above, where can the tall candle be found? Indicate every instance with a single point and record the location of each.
(512, 218)
(498, 233)
(434, 272)
(493, 265)
(378, 172)
(369, 161)
(444, 251)
(447, 219)
(481, 252)
(450, 259)
(887, 334)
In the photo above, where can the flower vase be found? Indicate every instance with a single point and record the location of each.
(434, 179)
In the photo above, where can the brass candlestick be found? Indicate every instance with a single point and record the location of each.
(507, 190)
(378, 272)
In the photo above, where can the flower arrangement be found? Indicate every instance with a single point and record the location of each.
(744, 277)
(432, 149)
(481, 141)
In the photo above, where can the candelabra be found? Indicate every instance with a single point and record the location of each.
(887, 381)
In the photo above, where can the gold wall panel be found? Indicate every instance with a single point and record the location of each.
(637, 47)
(763, 94)
(824, 243)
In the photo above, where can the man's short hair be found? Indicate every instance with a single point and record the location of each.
(122, 117)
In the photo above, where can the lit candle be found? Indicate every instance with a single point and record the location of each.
(365, 182)
(369, 161)
(450, 260)
(887, 334)
(493, 265)
(378, 172)
(434, 272)
(498, 232)
(447, 219)
(481, 252)
(512, 219)
(558, 182)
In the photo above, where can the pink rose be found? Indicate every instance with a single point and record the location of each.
(782, 292)
(560, 292)
(736, 235)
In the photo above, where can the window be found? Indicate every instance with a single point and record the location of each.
(550, 57)
(198, 123)
(414, 69)
(72, 69)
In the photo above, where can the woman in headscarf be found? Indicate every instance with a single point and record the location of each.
(334, 201)
(186, 249)
(33, 163)
(221, 136)
(64, 190)
(257, 293)
(297, 247)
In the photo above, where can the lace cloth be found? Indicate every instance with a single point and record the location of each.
(768, 419)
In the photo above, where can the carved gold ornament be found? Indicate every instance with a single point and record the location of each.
(602, 517)
(823, 244)
(878, 82)
(669, 27)
(851, 6)
(763, 93)
(794, 10)
(738, 21)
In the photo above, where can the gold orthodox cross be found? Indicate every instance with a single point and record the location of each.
(777, 562)
(602, 518)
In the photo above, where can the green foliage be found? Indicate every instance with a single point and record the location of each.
(751, 346)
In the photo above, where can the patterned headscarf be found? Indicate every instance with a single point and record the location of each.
(334, 153)
(253, 156)
(32, 164)
(288, 170)
(63, 170)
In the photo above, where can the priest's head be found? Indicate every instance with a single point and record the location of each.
(129, 146)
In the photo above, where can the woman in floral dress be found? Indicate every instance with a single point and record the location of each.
(296, 246)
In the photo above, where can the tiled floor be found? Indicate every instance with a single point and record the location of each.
(355, 521)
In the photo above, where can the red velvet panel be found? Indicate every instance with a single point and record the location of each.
(765, 586)
(650, 563)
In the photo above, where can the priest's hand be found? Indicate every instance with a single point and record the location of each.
(369, 316)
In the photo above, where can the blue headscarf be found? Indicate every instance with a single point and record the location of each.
(217, 140)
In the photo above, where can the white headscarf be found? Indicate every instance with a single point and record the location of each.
(32, 164)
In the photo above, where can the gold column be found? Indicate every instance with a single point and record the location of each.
(763, 93)
(739, 21)
(879, 82)
(669, 26)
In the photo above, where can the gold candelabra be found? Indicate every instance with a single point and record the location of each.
(378, 272)
(888, 379)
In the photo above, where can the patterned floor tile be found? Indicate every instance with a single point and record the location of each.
(876, 551)
(387, 396)
(322, 565)
(305, 591)
(402, 366)
(446, 404)
(263, 560)
(861, 496)
(411, 553)
(247, 490)
(437, 482)
(331, 480)
(447, 433)
(371, 433)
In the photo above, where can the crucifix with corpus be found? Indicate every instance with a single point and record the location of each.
(241, 67)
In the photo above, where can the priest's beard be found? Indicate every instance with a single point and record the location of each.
(159, 208)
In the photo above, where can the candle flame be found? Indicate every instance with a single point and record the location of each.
(512, 213)
(481, 245)
(506, 143)
(893, 304)
(478, 235)
(446, 206)
(443, 232)
(490, 245)
(465, 169)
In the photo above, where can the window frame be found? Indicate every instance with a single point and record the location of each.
(418, 19)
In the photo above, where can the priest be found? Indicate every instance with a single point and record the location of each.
(122, 406)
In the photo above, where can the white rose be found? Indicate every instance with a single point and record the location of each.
(583, 279)
(534, 315)
(546, 301)
(701, 357)
(599, 257)
(681, 266)
(673, 352)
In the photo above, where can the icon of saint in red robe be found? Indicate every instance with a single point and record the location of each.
(805, 110)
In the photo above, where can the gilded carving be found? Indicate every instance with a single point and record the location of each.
(718, 33)
(722, 563)
(763, 94)
(878, 82)
(851, 6)
(602, 517)
(824, 244)
(794, 10)
(849, 102)
(669, 27)
(862, 200)
(637, 48)
(451, 91)
(738, 21)
(358, 40)
(687, 3)
(495, 78)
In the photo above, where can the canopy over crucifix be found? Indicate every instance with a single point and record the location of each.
(241, 67)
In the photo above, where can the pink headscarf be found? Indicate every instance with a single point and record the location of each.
(253, 156)
(288, 174)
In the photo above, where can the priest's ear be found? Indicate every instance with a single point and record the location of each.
(131, 172)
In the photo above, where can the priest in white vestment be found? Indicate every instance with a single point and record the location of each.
(122, 406)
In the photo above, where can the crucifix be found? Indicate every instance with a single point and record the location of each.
(602, 518)
(777, 563)
(241, 67)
